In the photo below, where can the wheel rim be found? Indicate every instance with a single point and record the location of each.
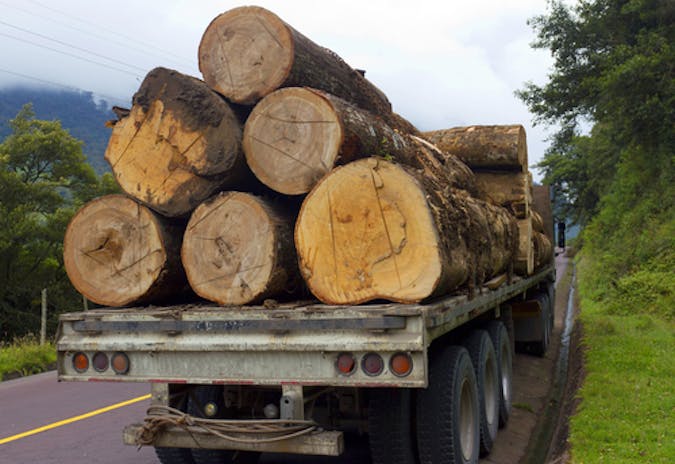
(506, 374)
(467, 420)
(491, 390)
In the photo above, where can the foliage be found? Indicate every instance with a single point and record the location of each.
(625, 415)
(614, 71)
(26, 356)
(613, 68)
(44, 177)
(78, 111)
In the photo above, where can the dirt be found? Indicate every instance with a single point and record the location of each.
(543, 400)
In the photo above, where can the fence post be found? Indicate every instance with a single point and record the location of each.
(43, 319)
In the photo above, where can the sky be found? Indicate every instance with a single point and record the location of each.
(441, 63)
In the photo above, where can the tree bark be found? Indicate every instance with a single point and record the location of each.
(541, 203)
(238, 249)
(295, 136)
(508, 189)
(524, 264)
(248, 52)
(117, 252)
(485, 147)
(180, 143)
(405, 237)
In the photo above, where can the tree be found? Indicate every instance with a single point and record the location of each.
(43, 178)
(613, 67)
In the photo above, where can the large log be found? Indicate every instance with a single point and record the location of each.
(485, 147)
(238, 248)
(248, 52)
(374, 229)
(508, 189)
(543, 250)
(180, 143)
(117, 252)
(295, 136)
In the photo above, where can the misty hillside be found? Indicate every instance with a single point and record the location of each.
(78, 112)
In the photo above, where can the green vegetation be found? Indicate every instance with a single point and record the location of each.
(44, 178)
(25, 356)
(614, 72)
(79, 113)
(628, 397)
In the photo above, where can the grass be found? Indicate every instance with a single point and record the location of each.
(26, 356)
(627, 410)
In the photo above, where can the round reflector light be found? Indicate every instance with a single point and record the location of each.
(120, 363)
(100, 361)
(346, 363)
(80, 362)
(401, 364)
(372, 364)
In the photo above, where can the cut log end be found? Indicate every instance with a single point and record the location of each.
(246, 53)
(381, 243)
(230, 249)
(291, 140)
(113, 251)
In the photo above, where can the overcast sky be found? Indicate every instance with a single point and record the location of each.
(441, 63)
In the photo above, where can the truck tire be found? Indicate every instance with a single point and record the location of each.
(540, 347)
(390, 426)
(484, 360)
(448, 426)
(503, 350)
(199, 398)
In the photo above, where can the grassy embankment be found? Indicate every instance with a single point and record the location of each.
(25, 356)
(627, 410)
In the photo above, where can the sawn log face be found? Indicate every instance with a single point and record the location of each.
(117, 252)
(179, 144)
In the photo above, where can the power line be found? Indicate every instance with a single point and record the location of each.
(74, 47)
(69, 54)
(68, 87)
(98, 26)
(177, 59)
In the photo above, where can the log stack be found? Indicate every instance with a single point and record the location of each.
(285, 168)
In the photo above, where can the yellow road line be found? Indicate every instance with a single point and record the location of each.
(73, 419)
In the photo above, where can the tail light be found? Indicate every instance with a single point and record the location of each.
(346, 364)
(100, 362)
(372, 364)
(80, 362)
(120, 363)
(401, 364)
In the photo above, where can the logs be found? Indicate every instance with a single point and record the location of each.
(117, 252)
(248, 52)
(295, 136)
(387, 214)
(485, 147)
(403, 237)
(179, 144)
(238, 248)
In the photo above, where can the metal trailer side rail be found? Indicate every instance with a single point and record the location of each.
(288, 344)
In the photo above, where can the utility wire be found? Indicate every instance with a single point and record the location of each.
(98, 26)
(176, 59)
(74, 47)
(70, 54)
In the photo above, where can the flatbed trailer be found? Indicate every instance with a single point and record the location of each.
(307, 368)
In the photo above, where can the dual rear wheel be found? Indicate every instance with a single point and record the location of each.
(456, 418)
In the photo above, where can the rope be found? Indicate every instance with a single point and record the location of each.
(249, 431)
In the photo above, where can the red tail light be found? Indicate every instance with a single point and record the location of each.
(372, 364)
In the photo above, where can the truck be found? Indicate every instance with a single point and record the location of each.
(426, 383)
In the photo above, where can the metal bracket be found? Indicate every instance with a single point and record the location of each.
(292, 403)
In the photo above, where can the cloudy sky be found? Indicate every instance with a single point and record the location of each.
(442, 63)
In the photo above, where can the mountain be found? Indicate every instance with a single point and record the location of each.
(79, 112)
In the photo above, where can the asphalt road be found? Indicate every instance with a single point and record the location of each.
(74, 435)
